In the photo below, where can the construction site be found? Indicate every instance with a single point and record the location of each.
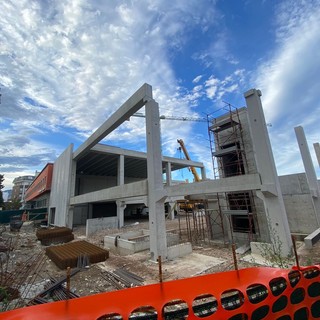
(116, 219)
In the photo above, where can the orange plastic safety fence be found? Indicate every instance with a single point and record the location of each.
(253, 293)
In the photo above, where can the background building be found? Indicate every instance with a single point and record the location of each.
(20, 186)
(38, 193)
(6, 195)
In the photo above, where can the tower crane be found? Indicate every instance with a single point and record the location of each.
(163, 117)
(193, 170)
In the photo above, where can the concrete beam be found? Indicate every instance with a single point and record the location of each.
(231, 184)
(134, 189)
(132, 105)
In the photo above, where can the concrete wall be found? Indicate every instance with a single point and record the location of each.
(80, 215)
(94, 225)
(298, 203)
(61, 187)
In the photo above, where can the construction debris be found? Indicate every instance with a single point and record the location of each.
(18, 279)
(55, 291)
(121, 278)
(68, 255)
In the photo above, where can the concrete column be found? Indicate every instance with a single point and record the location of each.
(120, 181)
(203, 174)
(171, 210)
(90, 211)
(120, 177)
(317, 151)
(168, 174)
(121, 205)
(70, 212)
(70, 217)
(157, 226)
(309, 168)
(271, 195)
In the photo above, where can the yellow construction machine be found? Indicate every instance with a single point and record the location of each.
(193, 170)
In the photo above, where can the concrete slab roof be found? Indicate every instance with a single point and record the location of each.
(102, 160)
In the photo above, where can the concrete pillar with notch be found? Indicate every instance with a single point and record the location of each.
(270, 192)
(120, 175)
(168, 174)
(203, 173)
(121, 205)
(316, 147)
(309, 168)
(72, 193)
(157, 226)
(120, 181)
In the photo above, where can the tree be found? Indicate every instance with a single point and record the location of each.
(13, 204)
(1, 187)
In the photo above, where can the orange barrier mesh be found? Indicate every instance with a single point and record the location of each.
(252, 293)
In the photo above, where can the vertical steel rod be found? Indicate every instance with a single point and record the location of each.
(295, 251)
(68, 282)
(160, 268)
(234, 256)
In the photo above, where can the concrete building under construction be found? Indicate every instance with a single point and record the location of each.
(246, 202)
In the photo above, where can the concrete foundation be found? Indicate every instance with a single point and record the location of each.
(136, 241)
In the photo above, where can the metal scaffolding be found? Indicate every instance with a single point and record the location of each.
(228, 149)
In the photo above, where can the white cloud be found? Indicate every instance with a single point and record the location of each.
(78, 61)
(218, 53)
(291, 74)
(216, 88)
(197, 79)
(211, 87)
(290, 81)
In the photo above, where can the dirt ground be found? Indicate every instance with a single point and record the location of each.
(27, 259)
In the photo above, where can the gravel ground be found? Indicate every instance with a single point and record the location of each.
(27, 259)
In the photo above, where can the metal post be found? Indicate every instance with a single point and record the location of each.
(160, 268)
(68, 282)
(295, 251)
(234, 256)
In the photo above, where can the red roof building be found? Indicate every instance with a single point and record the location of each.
(38, 192)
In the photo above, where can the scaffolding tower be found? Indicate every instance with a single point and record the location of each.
(229, 143)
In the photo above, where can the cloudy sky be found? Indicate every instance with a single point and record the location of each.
(66, 66)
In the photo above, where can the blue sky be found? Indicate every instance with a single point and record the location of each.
(65, 66)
